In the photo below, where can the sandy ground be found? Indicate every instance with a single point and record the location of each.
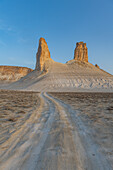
(56, 131)
(95, 111)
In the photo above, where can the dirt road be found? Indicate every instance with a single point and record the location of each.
(53, 138)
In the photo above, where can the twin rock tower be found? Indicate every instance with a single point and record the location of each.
(51, 76)
(43, 54)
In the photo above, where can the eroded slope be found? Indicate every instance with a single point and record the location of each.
(12, 73)
(66, 77)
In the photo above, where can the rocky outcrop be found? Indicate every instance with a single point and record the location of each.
(13, 73)
(81, 52)
(96, 65)
(42, 55)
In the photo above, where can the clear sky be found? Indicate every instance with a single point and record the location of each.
(62, 23)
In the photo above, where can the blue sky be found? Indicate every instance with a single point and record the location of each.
(62, 23)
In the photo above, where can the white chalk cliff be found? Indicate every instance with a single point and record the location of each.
(72, 76)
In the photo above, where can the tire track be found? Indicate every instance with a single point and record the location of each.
(55, 138)
(88, 153)
(31, 135)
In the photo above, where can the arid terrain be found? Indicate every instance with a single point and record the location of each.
(60, 131)
(10, 74)
(95, 111)
(57, 117)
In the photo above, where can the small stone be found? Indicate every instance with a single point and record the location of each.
(97, 66)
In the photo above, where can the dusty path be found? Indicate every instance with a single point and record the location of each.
(53, 139)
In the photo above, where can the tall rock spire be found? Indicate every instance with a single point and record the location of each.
(81, 52)
(42, 55)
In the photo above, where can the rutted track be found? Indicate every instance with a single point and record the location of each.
(54, 138)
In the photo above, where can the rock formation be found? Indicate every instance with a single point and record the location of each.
(13, 73)
(96, 65)
(81, 52)
(42, 55)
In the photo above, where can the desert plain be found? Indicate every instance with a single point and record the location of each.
(56, 130)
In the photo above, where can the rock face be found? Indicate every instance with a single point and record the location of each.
(81, 52)
(13, 73)
(42, 55)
